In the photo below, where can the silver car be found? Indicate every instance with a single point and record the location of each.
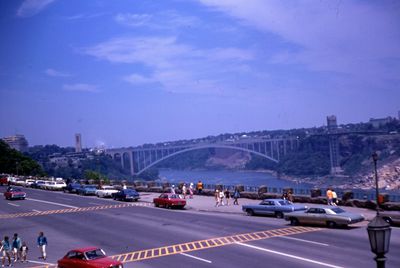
(329, 216)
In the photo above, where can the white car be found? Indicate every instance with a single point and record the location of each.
(20, 182)
(55, 185)
(29, 182)
(106, 191)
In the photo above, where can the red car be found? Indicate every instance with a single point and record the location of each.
(88, 258)
(14, 193)
(3, 180)
(169, 201)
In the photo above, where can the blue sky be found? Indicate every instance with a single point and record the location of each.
(124, 73)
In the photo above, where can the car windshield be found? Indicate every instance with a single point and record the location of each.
(284, 202)
(95, 254)
(130, 192)
(15, 190)
(338, 210)
(90, 187)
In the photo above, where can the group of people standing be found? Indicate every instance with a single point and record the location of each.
(17, 249)
(221, 195)
(331, 196)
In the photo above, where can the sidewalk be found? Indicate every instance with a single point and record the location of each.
(207, 204)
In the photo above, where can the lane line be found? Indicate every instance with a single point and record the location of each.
(35, 210)
(41, 262)
(15, 205)
(303, 240)
(52, 203)
(290, 256)
(197, 258)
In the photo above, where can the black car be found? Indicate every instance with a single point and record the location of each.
(126, 195)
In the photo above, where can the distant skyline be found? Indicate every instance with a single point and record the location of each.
(125, 73)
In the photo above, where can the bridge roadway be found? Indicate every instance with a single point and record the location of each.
(71, 221)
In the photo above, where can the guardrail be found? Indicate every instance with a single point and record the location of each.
(357, 193)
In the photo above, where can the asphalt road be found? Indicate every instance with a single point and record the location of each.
(71, 221)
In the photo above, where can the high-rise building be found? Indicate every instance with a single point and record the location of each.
(78, 143)
(17, 142)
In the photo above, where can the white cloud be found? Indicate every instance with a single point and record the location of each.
(168, 19)
(52, 72)
(352, 37)
(30, 8)
(139, 79)
(175, 66)
(81, 87)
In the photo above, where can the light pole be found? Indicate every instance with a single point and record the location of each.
(378, 229)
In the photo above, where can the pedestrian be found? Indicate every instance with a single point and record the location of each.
(16, 246)
(217, 198)
(24, 252)
(236, 196)
(184, 191)
(200, 187)
(5, 250)
(173, 189)
(227, 196)
(329, 196)
(290, 196)
(285, 195)
(42, 243)
(221, 197)
(191, 190)
(334, 198)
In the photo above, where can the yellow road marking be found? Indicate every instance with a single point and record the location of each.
(70, 210)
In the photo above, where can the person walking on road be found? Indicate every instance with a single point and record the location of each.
(173, 189)
(227, 196)
(191, 190)
(334, 198)
(329, 196)
(199, 187)
(16, 246)
(24, 252)
(184, 191)
(217, 198)
(5, 249)
(42, 243)
(236, 196)
(221, 197)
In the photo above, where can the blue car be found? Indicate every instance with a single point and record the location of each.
(126, 195)
(72, 188)
(272, 207)
(86, 190)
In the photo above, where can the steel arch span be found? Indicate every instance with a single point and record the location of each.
(206, 147)
(141, 158)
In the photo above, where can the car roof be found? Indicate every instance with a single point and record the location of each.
(274, 199)
(82, 250)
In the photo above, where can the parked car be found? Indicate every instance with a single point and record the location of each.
(56, 185)
(29, 182)
(90, 257)
(14, 193)
(392, 217)
(72, 187)
(106, 191)
(86, 189)
(170, 201)
(3, 180)
(38, 184)
(329, 216)
(272, 207)
(20, 182)
(126, 195)
(43, 184)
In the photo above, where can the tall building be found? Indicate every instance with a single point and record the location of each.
(333, 144)
(78, 143)
(17, 142)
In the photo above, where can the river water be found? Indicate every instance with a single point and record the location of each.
(228, 177)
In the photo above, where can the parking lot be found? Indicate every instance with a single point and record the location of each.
(144, 236)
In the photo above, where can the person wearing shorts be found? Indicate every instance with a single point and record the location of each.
(5, 249)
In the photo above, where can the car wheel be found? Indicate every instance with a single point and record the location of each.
(250, 212)
(156, 205)
(331, 224)
(294, 221)
(279, 215)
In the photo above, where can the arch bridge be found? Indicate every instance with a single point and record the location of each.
(141, 158)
